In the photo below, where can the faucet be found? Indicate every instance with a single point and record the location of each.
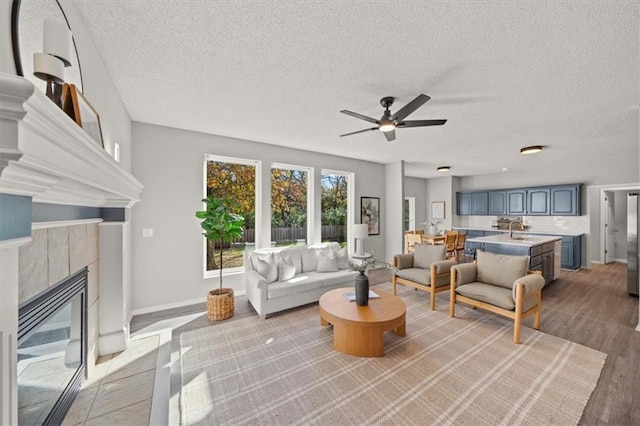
(510, 226)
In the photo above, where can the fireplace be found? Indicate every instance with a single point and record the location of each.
(52, 351)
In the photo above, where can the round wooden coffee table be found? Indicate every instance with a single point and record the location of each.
(359, 330)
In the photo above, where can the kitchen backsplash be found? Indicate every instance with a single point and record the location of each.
(573, 224)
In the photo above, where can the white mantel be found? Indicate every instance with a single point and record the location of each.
(44, 154)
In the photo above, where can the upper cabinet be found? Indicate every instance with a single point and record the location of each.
(538, 203)
(497, 202)
(479, 203)
(561, 200)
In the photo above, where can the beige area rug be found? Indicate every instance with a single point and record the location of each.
(463, 370)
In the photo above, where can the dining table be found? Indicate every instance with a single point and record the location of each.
(433, 239)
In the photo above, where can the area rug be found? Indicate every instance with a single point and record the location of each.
(463, 370)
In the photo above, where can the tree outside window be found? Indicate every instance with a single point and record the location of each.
(235, 181)
(334, 199)
(288, 206)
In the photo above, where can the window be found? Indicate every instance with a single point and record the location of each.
(409, 214)
(335, 199)
(289, 205)
(233, 179)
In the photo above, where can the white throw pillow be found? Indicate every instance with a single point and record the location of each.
(309, 258)
(327, 262)
(267, 267)
(286, 268)
(343, 258)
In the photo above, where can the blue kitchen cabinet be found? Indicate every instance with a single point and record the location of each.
(463, 203)
(564, 200)
(480, 203)
(571, 252)
(497, 202)
(538, 201)
(517, 202)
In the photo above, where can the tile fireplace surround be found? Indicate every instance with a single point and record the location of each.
(46, 158)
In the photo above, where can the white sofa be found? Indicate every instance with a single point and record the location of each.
(314, 275)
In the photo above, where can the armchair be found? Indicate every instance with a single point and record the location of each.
(425, 269)
(500, 284)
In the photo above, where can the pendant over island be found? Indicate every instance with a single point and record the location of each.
(543, 250)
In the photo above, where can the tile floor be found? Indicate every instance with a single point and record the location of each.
(120, 389)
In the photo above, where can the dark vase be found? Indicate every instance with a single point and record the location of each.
(362, 289)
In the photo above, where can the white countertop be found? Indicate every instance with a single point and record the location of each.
(520, 239)
(528, 232)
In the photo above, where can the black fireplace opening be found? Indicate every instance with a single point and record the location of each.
(52, 351)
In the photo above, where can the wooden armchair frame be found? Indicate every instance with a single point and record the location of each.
(517, 315)
(431, 289)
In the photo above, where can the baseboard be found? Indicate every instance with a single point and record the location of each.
(113, 342)
(167, 306)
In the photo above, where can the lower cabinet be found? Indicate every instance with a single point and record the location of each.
(571, 251)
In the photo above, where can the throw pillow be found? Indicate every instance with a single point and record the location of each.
(500, 269)
(327, 262)
(267, 267)
(424, 255)
(309, 258)
(286, 268)
(343, 258)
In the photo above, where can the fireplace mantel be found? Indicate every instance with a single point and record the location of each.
(45, 155)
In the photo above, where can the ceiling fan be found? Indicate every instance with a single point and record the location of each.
(388, 122)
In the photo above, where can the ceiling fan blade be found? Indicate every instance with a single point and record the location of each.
(359, 131)
(403, 112)
(391, 136)
(420, 123)
(360, 116)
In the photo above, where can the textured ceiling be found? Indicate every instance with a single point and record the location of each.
(505, 74)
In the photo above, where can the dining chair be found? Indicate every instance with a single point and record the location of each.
(450, 242)
(460, 240)
(411, 240)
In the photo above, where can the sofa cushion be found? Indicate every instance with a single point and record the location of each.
(309, 258)
(500, 269)
(492, 294)
(418, 275)
(286, 268)
(327, 262)
(267, 267)
(424, 255)
(343, 278)
(298, 284)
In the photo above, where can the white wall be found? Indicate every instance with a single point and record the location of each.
(168, 268)
(417, 188)
(393, 206)
(441, 189)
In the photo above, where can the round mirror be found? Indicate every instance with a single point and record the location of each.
(27, 28)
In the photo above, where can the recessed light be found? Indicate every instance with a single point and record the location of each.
(533, 149)
(504, 169)
(444, 169)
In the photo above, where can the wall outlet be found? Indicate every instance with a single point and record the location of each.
(147, 233)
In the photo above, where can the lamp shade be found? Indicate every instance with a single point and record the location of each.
(48, 68)
(360, 231)
(58, 41)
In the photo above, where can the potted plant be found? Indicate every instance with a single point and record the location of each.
(220, 226)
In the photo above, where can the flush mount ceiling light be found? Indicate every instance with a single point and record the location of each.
(443, 169)
(533, 149)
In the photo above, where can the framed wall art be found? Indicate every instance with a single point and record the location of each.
(370, 214)
(81, 111)
(437, 210)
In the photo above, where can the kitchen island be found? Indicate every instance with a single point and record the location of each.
(543, 250)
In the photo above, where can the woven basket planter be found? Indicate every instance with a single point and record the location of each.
(220, 304)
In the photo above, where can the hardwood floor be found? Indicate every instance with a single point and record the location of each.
(590, 307)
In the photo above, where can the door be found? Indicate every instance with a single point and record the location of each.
(609, 226)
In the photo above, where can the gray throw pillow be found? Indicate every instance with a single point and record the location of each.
(424, 255)
(500, 269)
(343, 258)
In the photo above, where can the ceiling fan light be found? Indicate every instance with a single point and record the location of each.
(533, 149)
(443, 169)
(387, 126)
